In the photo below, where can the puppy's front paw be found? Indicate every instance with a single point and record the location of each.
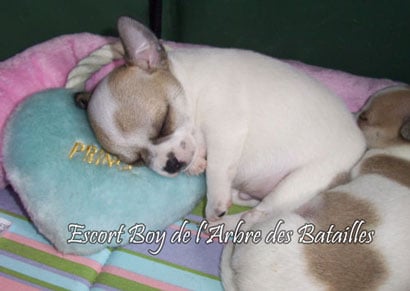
(197, 167)
(217, 209)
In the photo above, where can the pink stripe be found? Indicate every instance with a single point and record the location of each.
(8, 284)
(140, 278)
(52, 251)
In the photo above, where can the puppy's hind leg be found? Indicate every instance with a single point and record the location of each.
(298, 188)
(243, 199)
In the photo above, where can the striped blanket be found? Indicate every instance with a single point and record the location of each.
(29, 262)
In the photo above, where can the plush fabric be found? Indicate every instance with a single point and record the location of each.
(47, 65)
(62, 177)
(41, 67)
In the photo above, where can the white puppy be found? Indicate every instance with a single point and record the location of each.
(263, 130)
(368, 249)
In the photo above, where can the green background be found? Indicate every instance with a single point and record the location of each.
(363, 37)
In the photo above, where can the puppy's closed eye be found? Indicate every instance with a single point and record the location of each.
(167, 126)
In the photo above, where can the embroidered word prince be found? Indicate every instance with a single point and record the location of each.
(91, 154)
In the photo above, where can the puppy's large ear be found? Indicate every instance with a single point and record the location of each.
(405, 130)
(141, 46)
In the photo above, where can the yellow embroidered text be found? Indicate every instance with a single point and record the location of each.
(91, 154)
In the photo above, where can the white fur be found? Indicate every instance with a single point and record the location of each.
(283, 267)
(267, 130)
(266, 266)
(263, 121)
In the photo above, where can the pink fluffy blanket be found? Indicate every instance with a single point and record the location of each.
(47, 65)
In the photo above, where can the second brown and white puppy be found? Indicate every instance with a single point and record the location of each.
(270, 133)
(353, 237)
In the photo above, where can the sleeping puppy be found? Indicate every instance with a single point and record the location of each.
(263, 130)
(367, 248)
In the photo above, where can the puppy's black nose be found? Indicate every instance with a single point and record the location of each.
(173, 165)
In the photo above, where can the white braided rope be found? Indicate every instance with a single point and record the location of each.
(79, 75)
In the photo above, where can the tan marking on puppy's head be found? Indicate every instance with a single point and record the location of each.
(144, 100)
(345, 266)
(102, 137)
(391, 167)
(139, 103)
(385, 119)
(140, 111)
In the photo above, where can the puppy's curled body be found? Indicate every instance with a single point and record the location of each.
(263, 122)
(266, 130)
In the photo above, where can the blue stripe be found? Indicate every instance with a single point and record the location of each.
(101, 287)
(41, 274)
(24, 228)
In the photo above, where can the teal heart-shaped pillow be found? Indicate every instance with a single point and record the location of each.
(80, 197)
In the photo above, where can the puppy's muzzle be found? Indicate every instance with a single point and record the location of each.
(173, 165)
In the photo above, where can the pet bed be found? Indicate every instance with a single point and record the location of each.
(29, 260)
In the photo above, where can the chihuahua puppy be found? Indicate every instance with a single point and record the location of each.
(264, 131)
(353, 237)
